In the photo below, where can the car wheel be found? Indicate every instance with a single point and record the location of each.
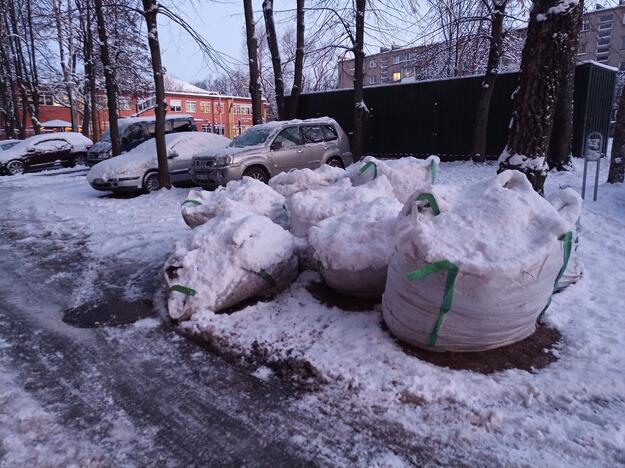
(80, 159)
(15, 167)
(335, 162)
(257, 173)
(71, 162)
(151, 182)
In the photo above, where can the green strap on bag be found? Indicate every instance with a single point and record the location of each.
(567, 244)
(267, 277)
(192, 202)
(428, 197)
(450, 282)
(434, 170)
(367, 166)
(183, 289)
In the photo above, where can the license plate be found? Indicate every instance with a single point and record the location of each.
(201, 177)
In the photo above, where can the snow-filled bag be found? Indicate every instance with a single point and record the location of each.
(309, 207)
(246, 195)
(406, 175)
(297, 180)
(474, 267)
(569, 205)
(229, 259)
(352, 249)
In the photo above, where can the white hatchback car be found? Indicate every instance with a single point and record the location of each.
(136, 170)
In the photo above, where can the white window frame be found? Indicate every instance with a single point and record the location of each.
(190, 104)
(175, 105)
(371, 79)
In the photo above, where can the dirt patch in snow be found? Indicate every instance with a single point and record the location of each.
(329, 297)
(113, 312)
(533, 353)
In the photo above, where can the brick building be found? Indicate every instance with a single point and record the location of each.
(602, 39)
(213, 112)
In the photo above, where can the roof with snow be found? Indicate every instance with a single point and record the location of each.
(174, 85)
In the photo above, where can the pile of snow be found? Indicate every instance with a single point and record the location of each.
(477, 275)
(141, 159)
(230, 258)
(406, 175)
(292, 182)
(245, 196)
(309, 207)
(353, 248)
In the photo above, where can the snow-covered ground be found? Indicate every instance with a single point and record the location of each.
(571, 412)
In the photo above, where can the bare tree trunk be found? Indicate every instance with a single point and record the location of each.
(617, 159)
(150, 10)
(298, 72)
(548, 36)
(34, 74)
(559, 153)
(478, 150)
(109, 78)
(90, 70)
(360, 109)
(65, 65)
(276, 62)
(252, 53)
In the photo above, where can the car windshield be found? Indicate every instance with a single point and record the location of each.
(252, 137)
(106, 136)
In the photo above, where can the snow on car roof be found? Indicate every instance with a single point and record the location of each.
(77, 140)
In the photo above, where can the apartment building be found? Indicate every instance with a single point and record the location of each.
(602, 39)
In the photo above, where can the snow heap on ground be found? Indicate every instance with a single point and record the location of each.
(232, 257)
(246, 195)
(406, 175)
(353, 248)
(505, 244)
(309, 207)
(292, 182)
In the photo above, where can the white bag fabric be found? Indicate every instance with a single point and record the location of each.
(229, 259)
(352, 249)
(246, 195)
(406, 175)
(309, 207)
(297, 180)
(478, 275)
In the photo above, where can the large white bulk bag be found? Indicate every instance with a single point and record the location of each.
(474, 267)
(246, 195)
(407, 175)
(297, 180)
(229, 259)
(352, 249)
(569, 205)
(309, 207)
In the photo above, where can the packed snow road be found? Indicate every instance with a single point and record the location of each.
(90, 376)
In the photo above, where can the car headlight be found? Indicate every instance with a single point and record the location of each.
(224, 160)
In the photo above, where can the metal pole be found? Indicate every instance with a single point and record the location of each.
(584, 179)
(594, 198)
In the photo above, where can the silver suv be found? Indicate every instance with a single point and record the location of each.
(267, 149)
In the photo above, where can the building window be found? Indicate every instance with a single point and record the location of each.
(146, 104)
(124, 103)
(609, 17)
(604, 26)
(372, 64)
(585, 25)
(46, 99)
(397, 76)
(206, 128)
(219, 129)
(219, 107)
(372, 79)
(190, 106)
(606, 33)
(603, 41)
(205, 107)
(175, 105)
(396, 59)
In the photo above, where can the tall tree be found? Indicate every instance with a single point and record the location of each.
(276, 63)
(617, 159)
(549, 33)
(66, 57)
(498, 11)
(150, 10)
(361, 112)
(298, 72)
(559, 153)
(109, 78)
(252, 53)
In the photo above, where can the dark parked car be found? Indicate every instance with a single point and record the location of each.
(135, 130)
(43, 151)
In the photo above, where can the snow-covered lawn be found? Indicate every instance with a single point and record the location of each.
(571, 412)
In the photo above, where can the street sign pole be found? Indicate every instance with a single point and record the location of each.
(592, 153)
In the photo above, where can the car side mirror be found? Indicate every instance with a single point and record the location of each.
(30, 149)
(276, 145)
(172, 155)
